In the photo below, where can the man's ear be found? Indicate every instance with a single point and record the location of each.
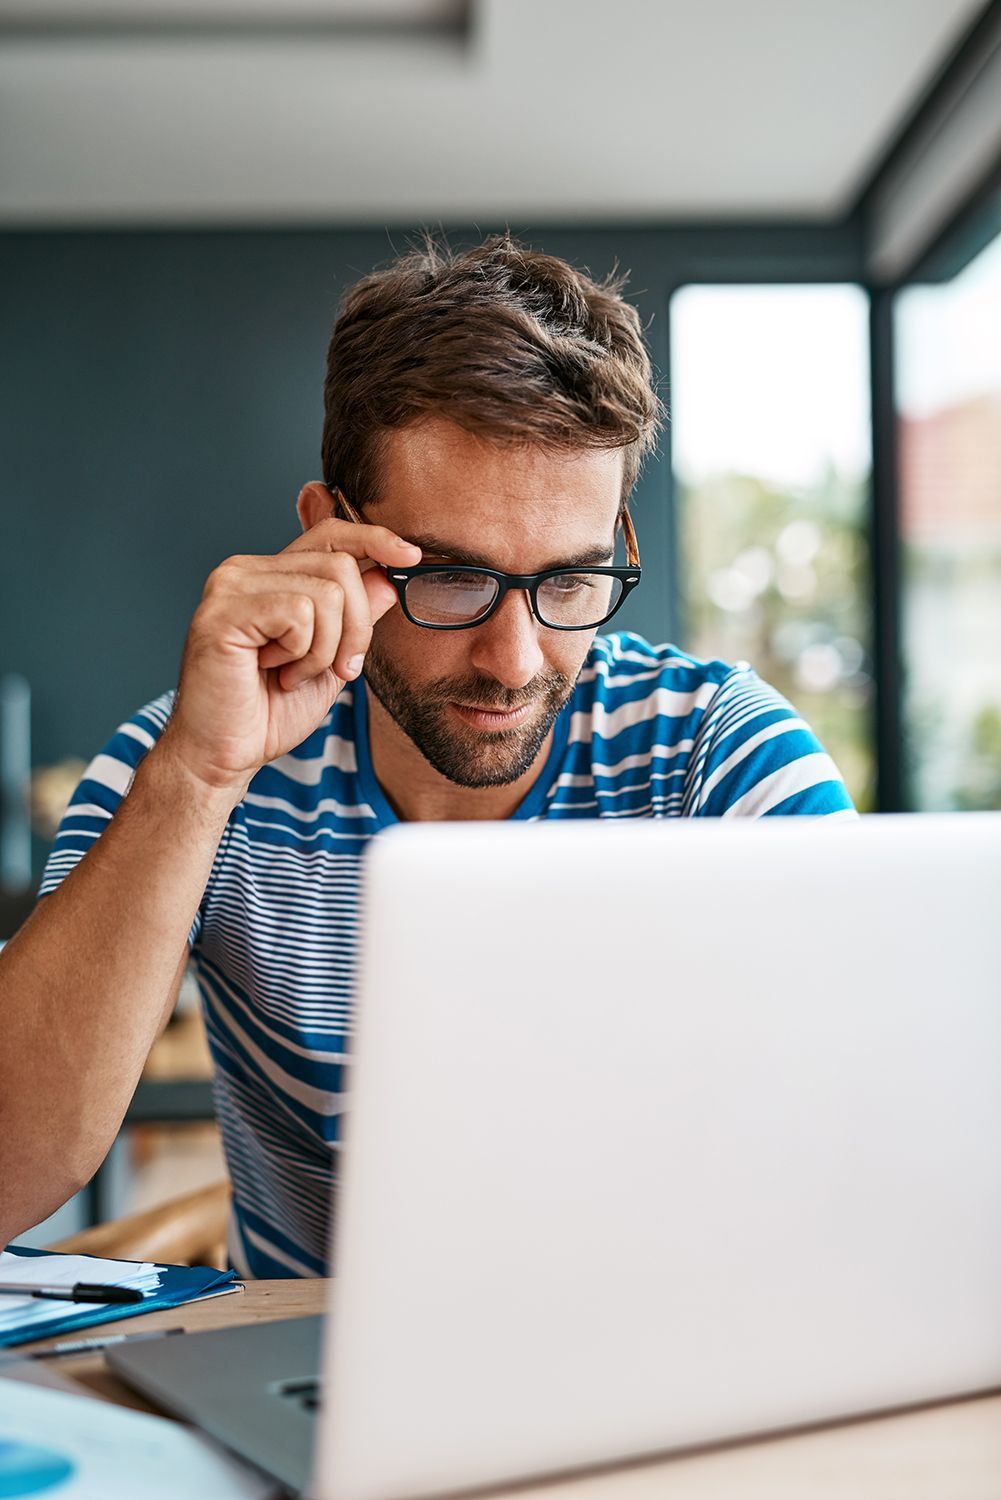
(315, 504)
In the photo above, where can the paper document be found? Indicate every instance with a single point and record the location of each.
(64, 1270)
(82, 1448)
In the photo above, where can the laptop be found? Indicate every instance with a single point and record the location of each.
(662, 1134)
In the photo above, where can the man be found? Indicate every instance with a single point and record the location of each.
(486, 415)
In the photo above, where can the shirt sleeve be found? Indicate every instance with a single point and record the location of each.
(754, 757)
(102, 788)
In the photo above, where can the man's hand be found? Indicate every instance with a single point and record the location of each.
(271, 645)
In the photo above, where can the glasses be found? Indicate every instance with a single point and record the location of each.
(451, 596)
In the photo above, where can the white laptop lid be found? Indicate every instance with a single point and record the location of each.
(662, 1133)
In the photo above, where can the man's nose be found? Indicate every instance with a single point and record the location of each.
(506, 647)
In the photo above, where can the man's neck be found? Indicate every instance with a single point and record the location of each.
(418, 793)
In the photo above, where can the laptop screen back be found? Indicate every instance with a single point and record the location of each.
(661, 1134)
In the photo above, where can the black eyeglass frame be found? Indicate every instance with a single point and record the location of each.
(629, 576)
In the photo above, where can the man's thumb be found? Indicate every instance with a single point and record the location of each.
(381, 593)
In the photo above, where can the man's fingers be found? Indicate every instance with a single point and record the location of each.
(381, 593)
(354, 628)
(273, 622)
(328, 602)
(376, 542)
(344, 604)
(333, 574)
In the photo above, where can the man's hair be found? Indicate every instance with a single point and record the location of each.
(508, 343)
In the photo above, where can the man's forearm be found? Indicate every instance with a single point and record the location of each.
(85, 984)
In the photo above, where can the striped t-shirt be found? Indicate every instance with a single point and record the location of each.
(648, 733)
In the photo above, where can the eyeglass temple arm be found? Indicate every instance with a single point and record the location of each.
(628, 534)
(629, 537)
(340, 499)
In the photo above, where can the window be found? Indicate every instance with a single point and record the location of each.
(770, 433)
(948, 380)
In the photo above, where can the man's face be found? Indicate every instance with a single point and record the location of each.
(520, 510)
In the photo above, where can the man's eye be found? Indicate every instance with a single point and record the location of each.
(457, 578)
(571, 583)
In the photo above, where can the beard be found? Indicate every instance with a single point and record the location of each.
(463, 754)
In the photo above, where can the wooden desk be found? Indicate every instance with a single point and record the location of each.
(948, 1452)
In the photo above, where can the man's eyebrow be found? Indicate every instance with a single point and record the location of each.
(593, 557)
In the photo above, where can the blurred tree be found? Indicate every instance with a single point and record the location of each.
(980, 786)
(780, 578)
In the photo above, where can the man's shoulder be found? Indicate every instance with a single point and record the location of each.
(634, 698)
(738, 745)
(148, 723)
(114, 765)
(625, 668)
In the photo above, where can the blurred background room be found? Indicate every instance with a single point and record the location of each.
(806, 195)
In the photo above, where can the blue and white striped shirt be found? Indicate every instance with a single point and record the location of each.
(649, 733)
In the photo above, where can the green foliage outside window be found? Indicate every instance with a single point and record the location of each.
(780, 578)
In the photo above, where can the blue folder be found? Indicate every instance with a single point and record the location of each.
(178, 1284)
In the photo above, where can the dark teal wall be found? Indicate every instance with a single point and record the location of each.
(161, 406)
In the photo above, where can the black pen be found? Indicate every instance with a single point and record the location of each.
(91, 1346)
(83, 1291)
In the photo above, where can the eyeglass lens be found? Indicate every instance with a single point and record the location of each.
(460, 598)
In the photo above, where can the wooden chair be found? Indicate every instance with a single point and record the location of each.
(186, 1231)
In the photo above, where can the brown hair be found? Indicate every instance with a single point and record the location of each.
(508, 343)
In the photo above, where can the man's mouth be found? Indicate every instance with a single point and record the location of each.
(486, 718)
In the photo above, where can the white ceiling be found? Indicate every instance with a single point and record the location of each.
(549, 109)
(154, 14)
